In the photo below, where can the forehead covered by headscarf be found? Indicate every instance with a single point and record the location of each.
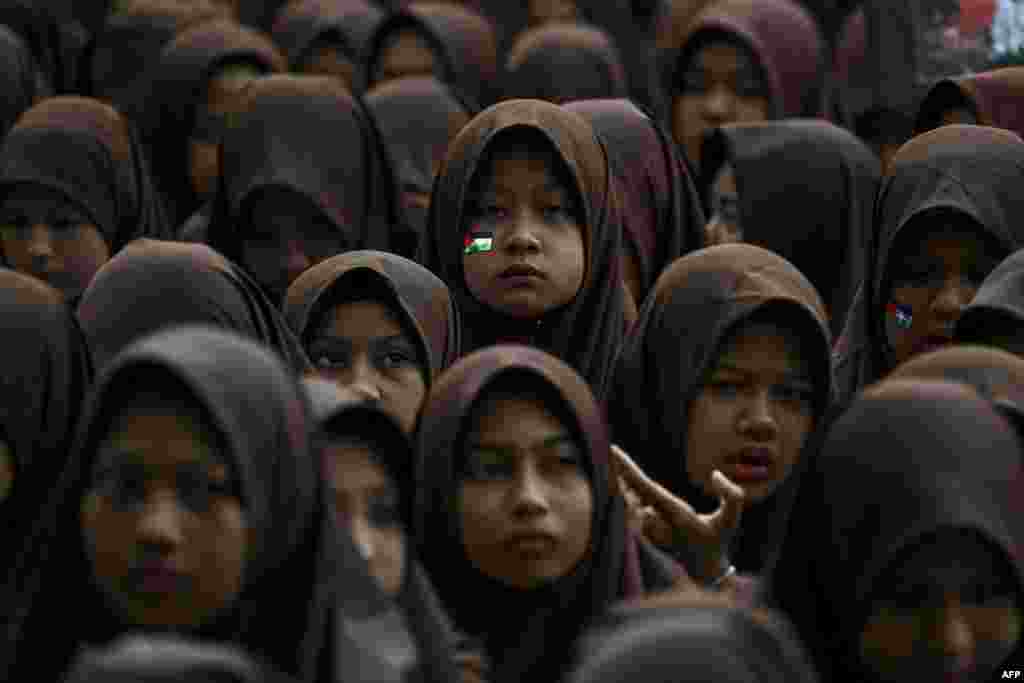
(89, 153)
(807, 191)
(563, 63)
(260, 412)
(532, 625)
(695, 305)
(661, 211)
(586, 333)
(348, 24)
(308, 134)
(994, 97)
(931, 456)
(460, 38)
(1001, 296)
(418, 297)
(20, 79)
(781, 35)
(154, 284)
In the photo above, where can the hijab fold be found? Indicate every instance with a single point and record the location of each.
(21, 81)
(301, 25)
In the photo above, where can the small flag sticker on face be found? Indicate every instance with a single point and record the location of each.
(902, 314)
(479, 243)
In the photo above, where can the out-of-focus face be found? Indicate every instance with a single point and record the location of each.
(726, 224)
(330, 60)
(405, 54)
(721, 84)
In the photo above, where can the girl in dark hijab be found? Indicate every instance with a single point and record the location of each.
(75, 187)
(524, 230)
(914, 473)
(742, 61)
(43, 379)
(417, 144)
(452, 43)
(995, 317)
(728, 369)
(563, 63)
(817, 178)
(190, 96)
(195, 503)
(369, 466)
(948, 212)
(518, 512)
(154, 284)
(21, 81)
(327, 37)
(992, 98)
(378, 324)
(304, 176)
(662, 217)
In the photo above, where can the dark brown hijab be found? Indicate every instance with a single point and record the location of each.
(586, 333)
(310, 135)
(807, 190)
(152, 285)
(995, 98)
(416, 295)
(696, 303)
(21, 81)
(303, 25)
(563, 63)
(89, 153)
(527, 633)
(661, 211)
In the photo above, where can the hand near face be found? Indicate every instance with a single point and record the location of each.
(671, 521)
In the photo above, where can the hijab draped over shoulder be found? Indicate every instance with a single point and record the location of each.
(806, 190)
(993, 98)
(694, 306)
(153, 284)
(586, 332)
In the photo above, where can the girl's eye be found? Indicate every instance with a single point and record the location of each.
(726, 387)
(330, 362)
(557, 212)
(795, 393)
(396, 359)
(692, 83)
(487, 466)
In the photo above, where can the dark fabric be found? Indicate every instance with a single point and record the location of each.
(342, 416)
(563, 63)
(587, 332)
(779, 33)
(1000, 296)
(807, 191)
(20, 79)
(417, 143)
(347, 24)
(309, 135)
(89, 153)
(263, 416)
(527, 633)
(420, 299)
(175, 89)
(38, 26)
(661, 211)
(696, 303)
(931, 476)
(974, 170)
(154, 284)
(994, 97)
(461, 39)
(695, 644)
(45, 372)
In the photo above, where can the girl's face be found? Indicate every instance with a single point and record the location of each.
(46, 236)
(524, 249)
(721, 84)
(932, 283)
(525, 500)
(362, 346)
(939, 620)
(368, 504)
(163, 520)
(223, 99)
(754, 412)
(405, 54)
(725, 226)
(285, 235)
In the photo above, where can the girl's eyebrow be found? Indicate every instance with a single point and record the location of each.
(546, 442)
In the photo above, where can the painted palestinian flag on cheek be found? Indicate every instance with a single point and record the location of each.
(478, 242)
(901, 314)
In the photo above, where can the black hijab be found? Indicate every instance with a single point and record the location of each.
(303, 25)
(21, 81)
(39, 27)
(999, 300)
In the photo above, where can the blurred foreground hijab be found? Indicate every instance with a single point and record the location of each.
(586, 331)
(992, 98)
(804, 189)
(44, 375)
(282, 580)
(21, 81)
(996, 315)
(563, 63)
(417, 143)
(154, 284)
(662, 217)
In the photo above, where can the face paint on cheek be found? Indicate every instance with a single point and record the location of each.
(898, 319)
(478, 241)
